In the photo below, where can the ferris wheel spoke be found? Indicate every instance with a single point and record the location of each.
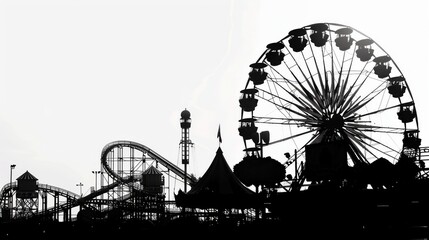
(288, 121)
(318, 74)
(356, 107)
(303, 90)
(310, 102)
(360, 143)
(287, 91)
(306, 115)
(324, 85)
(362, 135)
(376, 112)
(312, 84)
(341, 98)
(291, 137)
(355, 153)
(359, 104)
(307, 109)
(374, 128)
(377, 149)
(380, 151)
(334, 90)
(350, 101)
(350, 89)
(273, 94)
(332, 77)
(307, 95)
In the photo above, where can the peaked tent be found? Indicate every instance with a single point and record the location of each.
(218, 188)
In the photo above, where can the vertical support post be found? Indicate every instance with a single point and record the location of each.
(169, 190)
(56, 206)
(296, 166)
(44, 202)
(132, 161)
(102, 180)
(185, 156)
(120, 158)
(65, 215)
(185, 179)
(10, 192)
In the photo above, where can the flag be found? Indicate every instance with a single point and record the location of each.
(218, 135)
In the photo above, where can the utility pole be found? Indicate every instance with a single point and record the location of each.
(80, 186)
(96, 172)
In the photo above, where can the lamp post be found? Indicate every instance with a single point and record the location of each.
(80, 186)
(96, 172)
(10, 192)
(11, 168)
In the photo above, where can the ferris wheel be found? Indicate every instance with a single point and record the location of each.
(333, 95)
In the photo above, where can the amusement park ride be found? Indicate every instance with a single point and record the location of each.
(337, 97)
(132, 179)
(327, 91)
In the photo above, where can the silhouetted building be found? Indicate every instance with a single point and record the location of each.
(27, 201)
(153, 181)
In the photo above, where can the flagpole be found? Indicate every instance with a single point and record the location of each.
(219, 135)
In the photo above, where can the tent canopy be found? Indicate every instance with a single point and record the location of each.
(218, 188)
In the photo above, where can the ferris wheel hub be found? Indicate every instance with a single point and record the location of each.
(336, 121)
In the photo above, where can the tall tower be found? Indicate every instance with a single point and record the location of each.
(185, 124)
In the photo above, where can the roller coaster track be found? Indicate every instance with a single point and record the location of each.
(82, 200)
(42, 187)
(175, 169)
(74, 200)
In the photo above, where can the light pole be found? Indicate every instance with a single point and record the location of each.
(10, 192)
(11, 168)
(80, 186)
(95, 172)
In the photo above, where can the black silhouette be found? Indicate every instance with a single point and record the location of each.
(253, 170)
(351, 177)
(218, 188)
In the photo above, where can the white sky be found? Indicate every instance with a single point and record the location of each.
(76, 75)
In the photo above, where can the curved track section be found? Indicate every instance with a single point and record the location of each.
(144, 149)
(42, 187)
(119, 176)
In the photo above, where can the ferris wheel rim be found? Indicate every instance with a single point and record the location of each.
(263, 56)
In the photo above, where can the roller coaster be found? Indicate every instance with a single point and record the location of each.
(132, 180)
